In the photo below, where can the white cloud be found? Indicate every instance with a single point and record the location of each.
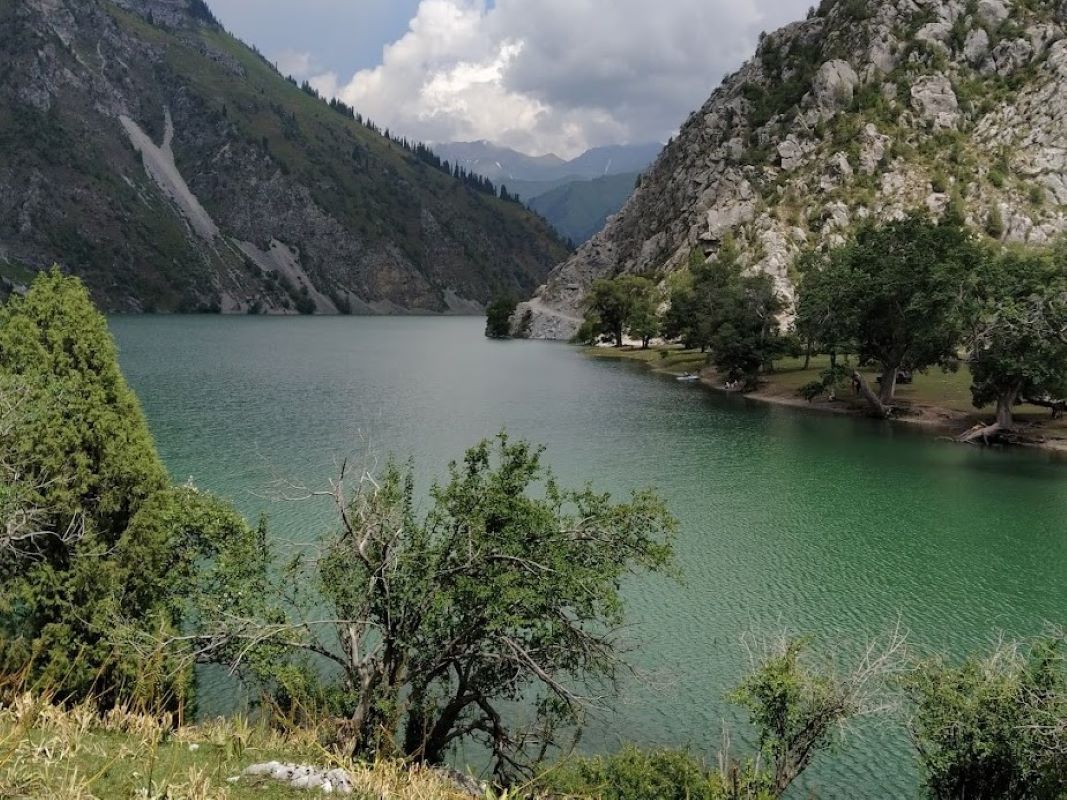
(295, 63)
(556, 75)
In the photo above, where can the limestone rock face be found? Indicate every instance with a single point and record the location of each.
(884, 108)
(932, 96)
(834, 85)
(976, 46)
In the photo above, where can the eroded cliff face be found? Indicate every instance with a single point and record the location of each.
(154, 155)
(869, 108)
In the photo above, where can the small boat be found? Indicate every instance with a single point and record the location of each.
(688, 377)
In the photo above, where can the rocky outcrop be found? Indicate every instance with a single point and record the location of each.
(174, 169)
(865, 110)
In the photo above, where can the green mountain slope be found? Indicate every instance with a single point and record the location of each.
(173, 168)
(581, 208)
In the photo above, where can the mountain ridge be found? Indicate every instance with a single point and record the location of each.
(503, 163)
(173, 169)
(863, 110)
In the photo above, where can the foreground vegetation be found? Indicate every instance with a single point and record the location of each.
(489, 618)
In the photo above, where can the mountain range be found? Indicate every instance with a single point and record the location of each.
(147, 150)
(576, 196)
(865, 110)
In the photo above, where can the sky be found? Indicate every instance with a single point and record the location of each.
(539, 76)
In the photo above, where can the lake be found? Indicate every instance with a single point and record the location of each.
(827, 526)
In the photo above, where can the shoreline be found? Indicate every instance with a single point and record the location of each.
(932, 419)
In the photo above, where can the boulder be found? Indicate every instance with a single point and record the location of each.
(976, 47)
(834, 85)
(934, 32)
(875, 145)
(1012, 55)
(992, 12)
(790, 153)
(933, 98)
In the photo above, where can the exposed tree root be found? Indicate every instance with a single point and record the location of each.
(998, 433)
(986, 434)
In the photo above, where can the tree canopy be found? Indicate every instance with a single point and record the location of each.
(897, 293)
(100, 534)
(732, 314)
(617, 306)
(506, 589)
(498, 317)
(1018, 344)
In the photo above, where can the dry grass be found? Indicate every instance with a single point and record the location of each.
(48, 752)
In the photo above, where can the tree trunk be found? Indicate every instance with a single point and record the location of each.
(807, 354)
(875, 402)
(644, 343)
(618, 337)
(1005, 404)
(888, 387)
(1005, 420)
(833, 359)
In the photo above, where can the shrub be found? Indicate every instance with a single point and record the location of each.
(634, 774)
(115, 542)
(994, 223)
(987, 728)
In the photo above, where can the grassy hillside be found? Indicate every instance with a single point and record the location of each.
(361, 222)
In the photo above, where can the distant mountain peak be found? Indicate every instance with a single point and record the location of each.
(503, 163)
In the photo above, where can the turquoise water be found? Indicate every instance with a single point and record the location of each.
(827, 526)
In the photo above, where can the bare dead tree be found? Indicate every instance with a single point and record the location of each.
(800, 711)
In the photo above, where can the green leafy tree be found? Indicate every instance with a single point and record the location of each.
(615, 305)
(633, 774)
(993, 727)
(1019, 344)
(498, 317)
(643, 322)
(506, 589)
(79, 461)
(898, 291)
(799, 711)
(733, 315)
(820, 323)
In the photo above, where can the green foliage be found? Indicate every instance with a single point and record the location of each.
(633, 774)
(506, 588)
(498, 317)
(615, 306)
(797, 712)
(1019, 317)
(994, 223)
(117, 544)
(729, 313)
(895, 293)
(992, 727)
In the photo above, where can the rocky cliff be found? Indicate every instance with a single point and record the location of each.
(868, 108)
(148, 151)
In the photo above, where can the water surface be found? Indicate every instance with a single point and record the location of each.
(833, 527)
